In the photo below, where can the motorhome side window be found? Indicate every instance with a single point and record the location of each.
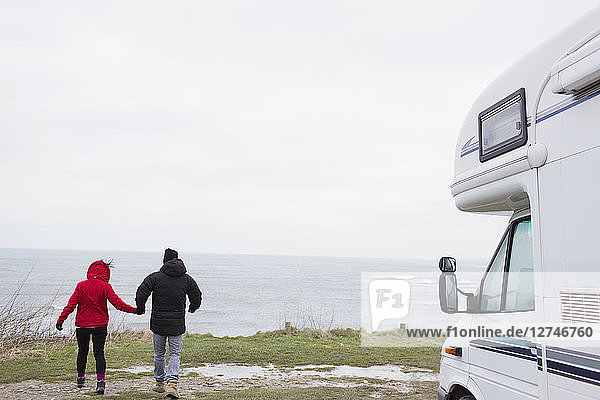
(503, 126)
(508, 284)
(491, 293)
(519, 288)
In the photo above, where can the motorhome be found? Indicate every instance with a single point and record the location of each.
(530, 148)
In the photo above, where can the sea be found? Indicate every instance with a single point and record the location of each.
(242, 293)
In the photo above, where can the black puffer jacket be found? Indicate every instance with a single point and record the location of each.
(168, 287)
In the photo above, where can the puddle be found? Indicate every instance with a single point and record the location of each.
(224, 372)
(383, 372)
(231, 371)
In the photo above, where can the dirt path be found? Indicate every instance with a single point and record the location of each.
(213, 378)
(68, 390)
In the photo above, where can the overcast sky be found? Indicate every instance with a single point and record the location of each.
(307, 127)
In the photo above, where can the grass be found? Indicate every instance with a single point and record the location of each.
(56, 361)
(303, 349)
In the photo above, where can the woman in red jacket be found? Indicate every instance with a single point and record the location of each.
(90, 298)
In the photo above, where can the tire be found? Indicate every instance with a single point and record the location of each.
(468, 397)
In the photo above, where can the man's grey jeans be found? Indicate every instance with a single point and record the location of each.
(175, 346)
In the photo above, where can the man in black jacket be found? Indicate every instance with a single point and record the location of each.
(169, 288)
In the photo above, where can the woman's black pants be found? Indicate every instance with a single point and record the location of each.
(83, 342)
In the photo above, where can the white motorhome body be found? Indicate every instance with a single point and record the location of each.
(530, 148)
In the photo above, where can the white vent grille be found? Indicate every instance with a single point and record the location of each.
(580, 305)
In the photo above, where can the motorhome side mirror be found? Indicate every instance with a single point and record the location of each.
(447, 264)
(448, 292)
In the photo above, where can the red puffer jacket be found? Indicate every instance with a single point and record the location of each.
(90, 299)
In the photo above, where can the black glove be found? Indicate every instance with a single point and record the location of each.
(140, 311)
(59, 326)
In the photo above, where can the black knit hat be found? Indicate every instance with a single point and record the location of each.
(170, 254)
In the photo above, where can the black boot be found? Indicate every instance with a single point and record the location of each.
(80, 381)
(100, 387)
